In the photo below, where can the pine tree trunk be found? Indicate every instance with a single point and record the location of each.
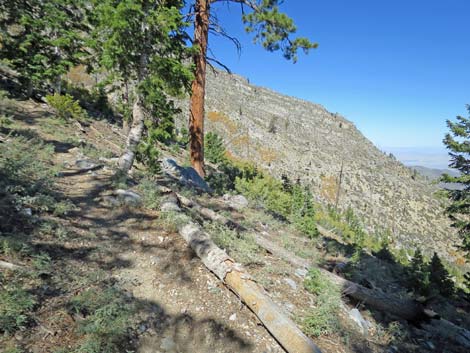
(196, 114)
(133, 139)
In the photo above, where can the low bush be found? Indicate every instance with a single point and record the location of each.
(214, 150)
(323, 320)
(107, 320)
(26, 178)
(65, 107)
(16, 305)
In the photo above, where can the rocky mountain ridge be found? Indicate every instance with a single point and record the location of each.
(287, 135)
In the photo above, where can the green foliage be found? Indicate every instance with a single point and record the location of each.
(224, 178)
(150, 195)
(418, 274)
(303, 210)
(297, 206)
(42, 40)
(144, 42)
(322, 320)
(458, 143)
(440, 278)
(273, 28)
(214, 149)
(5, 121)
(16, 305)
(148, 154)
(107, 313)
(240, 246)
(65, 107)
(266, 191)
(26, 178)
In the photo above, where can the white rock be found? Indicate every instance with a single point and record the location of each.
(233, 317)
(291, 283)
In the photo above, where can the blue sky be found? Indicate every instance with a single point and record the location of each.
(397, 69)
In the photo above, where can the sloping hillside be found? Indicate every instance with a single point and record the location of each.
(302, 140)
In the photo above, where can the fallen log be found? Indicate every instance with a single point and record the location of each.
(284, 330)
(12, 267)
(404, 308)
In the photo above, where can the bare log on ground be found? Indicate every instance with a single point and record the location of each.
(403, 308)
(284, 330)
(12, 267)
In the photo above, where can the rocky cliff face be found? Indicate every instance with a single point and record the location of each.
(286, 135)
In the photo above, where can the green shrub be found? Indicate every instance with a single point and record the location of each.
(418, 274)
(439, 278)
(65, 107)
(108, 315)
(224, 179)
(15, 307)
(241, 246)
(26, 179)
(303, 210)
(267, 191)
(214, 149)
(322, 320)
(148, 154)
(150, 194)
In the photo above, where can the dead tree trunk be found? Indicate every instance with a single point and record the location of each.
(284, 330)
(198, 88)
(133, 138)
(403, 308)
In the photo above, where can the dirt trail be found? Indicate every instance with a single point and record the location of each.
(186, 308)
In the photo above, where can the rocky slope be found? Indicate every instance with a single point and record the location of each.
(286, 135)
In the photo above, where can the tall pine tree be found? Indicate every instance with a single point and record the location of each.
(457, 142)
(271, 28)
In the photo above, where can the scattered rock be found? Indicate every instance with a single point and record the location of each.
(356, 316)
(168, 345)
(128, 197)
(291, 283)
(84, 164)
(237, 202)
(301, 272)
(169, 207)
(110, 201)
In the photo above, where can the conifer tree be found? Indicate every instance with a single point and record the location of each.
(271, 28)
(303, 210)
(439, 277)
(41, 40)
(142, 44)
(457, 142)
(418, 274)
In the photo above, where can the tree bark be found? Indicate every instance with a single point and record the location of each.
(198, 88)
(133, 139)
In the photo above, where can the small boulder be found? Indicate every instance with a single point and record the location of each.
(186, 175)
(301, 272)
(357, 317)
(128, 197)
(237, 202)
(291, 283)
(84, 164)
